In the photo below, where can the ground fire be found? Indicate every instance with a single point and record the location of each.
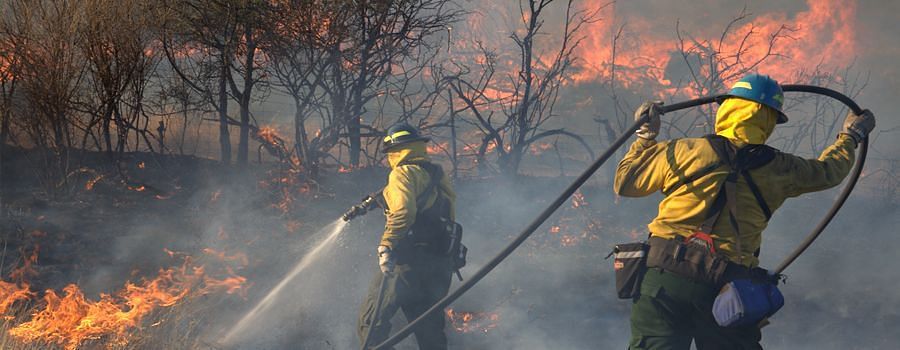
(223, 174)
(472, 322)
(71, 319)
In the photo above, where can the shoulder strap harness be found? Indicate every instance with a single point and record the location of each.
(740, 161)
(435, 174)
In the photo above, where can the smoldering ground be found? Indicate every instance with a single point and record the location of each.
(558, 294)
(555, 292)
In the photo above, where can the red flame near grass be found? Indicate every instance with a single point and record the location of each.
(26, 271)
(10, 293)
(468, 321)
(71, 319)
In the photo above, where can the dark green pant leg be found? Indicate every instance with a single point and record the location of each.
(673, 310)
(431, 283)
(389, 305)
(416, 284)
(659, 320)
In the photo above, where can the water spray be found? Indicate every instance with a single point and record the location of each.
(334, 229)
(563, 197)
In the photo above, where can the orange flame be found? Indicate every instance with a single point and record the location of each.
(539, 148)
(437, 148)
(568, 240)
(10, 293)
(292, 225)
(286, 199)
(71, 319)
(269, 134)
(90, 183)
(824, 33)
(26, 271)
(239, 258)
(232, 284)
(467, 321)
(578, 200)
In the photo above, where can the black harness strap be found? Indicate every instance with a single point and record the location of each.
(434, 173)
(758, 195)
(693, 177)
(740, 162)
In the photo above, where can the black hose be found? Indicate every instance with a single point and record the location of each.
(376, 314)
(848, 188)
(544, 215)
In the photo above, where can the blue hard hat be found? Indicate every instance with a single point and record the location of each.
(400, 134)
(761, 89)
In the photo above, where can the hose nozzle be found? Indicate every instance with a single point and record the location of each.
(362, 208)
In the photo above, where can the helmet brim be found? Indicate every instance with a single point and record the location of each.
(781, 119)
(406, 142)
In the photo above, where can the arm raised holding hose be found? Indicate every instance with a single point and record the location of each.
(719, 194)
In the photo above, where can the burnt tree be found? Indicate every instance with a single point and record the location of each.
(527, 102)
(376, 37)
(199, 40)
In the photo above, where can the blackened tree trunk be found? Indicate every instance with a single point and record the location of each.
(107, 137)
(6, 108)
(244, 97)
(224, 136)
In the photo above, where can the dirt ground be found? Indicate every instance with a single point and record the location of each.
(555, 292)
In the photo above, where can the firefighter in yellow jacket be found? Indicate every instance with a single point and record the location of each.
(412, 255)
(674, 307)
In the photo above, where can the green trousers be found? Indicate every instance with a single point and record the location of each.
(672, 311)
(412, 288)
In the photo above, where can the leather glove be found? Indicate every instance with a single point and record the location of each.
(385, 259)
(650, 129)
(859, 126)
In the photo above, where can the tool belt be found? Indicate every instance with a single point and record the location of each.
(696, 262)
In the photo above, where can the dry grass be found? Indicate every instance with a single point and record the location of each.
(185, 325)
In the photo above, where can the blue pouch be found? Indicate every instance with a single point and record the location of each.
(745, 302)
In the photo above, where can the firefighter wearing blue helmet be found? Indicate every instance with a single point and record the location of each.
(760, 89)
(693, 250)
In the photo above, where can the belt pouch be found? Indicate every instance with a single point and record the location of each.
(686, 260)
(630, 264)
(746, 301)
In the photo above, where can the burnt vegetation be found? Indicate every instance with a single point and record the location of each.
(163, 161)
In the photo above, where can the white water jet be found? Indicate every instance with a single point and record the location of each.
(336, 228)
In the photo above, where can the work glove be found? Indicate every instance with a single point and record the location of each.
(385, 259)
(650, 129)
(859, 126)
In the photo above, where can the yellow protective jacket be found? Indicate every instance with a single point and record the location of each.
(407, 182)
(651, 166)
